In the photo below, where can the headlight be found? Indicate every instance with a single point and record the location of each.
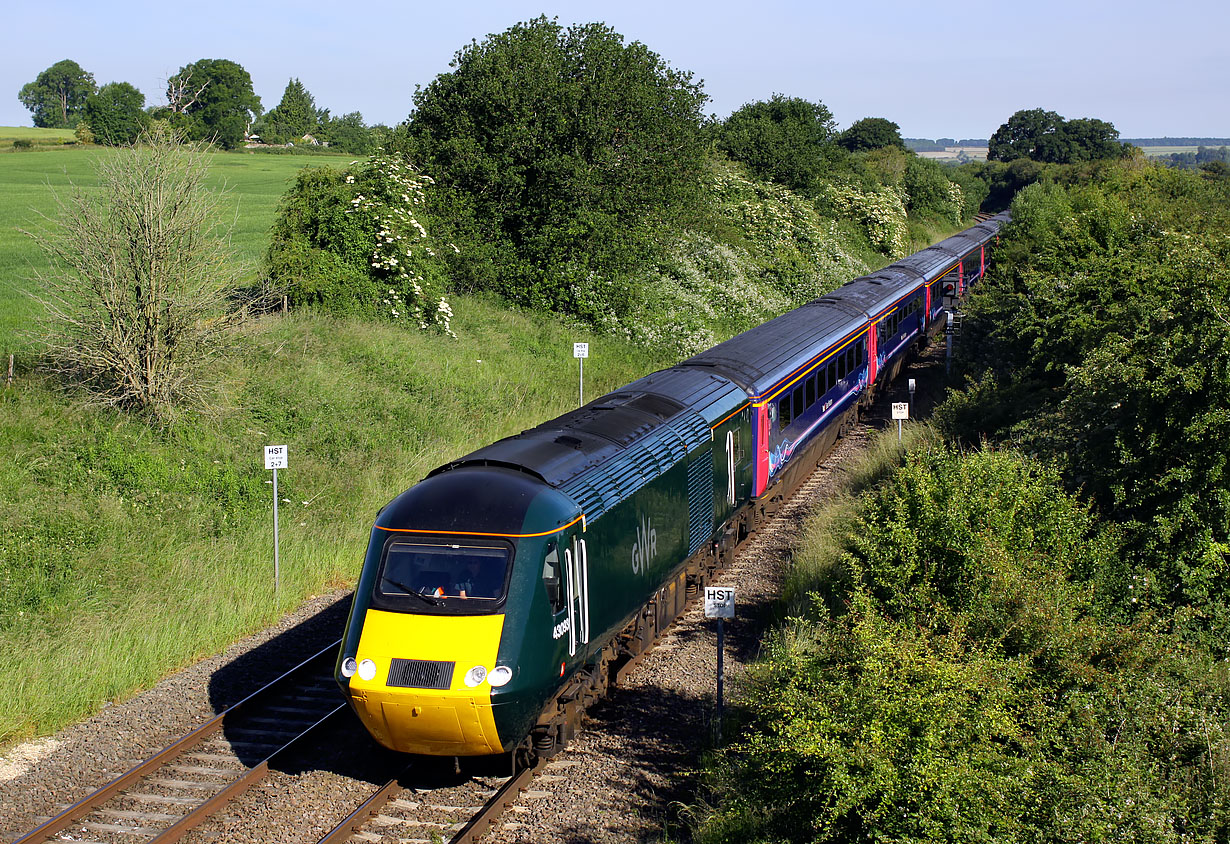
(499, 675)
(367, 669)
(349, 667)
(475, 676)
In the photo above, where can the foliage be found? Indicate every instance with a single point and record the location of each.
(974, 685)
(880, 212)
(115, 114)
(766, 251)
(212, 100)
(356, 242)
(1100, 339)
(58, 94)
(780, 140)
(1045, 136)
(871, 133)
(929, 191)
(348, 133)
(559, 154)
(138, 294)
(292, 118)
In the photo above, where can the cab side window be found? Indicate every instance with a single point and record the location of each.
(552, 579)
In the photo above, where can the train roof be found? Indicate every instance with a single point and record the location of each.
(760, 358)
(618, 442)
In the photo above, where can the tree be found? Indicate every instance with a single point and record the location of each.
(116, 114)
(562, 152)
(780, 140)
(1089, 139)
(296, 115)
(871, 133)
(348, 133)
(1029, 133)
(216, 101)
(56, 97)
(1047, 137)
(140, 294)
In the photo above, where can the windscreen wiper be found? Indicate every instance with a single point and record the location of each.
(427, 599)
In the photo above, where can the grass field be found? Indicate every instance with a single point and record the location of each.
(40, 137)
(253, 183)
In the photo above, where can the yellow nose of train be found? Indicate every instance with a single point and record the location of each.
(428, 692)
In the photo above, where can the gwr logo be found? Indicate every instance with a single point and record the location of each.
(645, 549)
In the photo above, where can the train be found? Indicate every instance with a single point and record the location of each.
(503, 593)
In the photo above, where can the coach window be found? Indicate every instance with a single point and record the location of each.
(783, 411)
(798, 401)
(811, 390)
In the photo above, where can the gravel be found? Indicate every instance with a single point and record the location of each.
(620, 780)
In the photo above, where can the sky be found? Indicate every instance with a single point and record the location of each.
(938, 69)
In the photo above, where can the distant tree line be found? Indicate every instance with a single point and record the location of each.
(209, 99)
(1177, 142)
(941, 144)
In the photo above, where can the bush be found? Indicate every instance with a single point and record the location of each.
(356, 241)
(140, 296)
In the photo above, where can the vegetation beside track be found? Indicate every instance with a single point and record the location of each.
(1022, 636)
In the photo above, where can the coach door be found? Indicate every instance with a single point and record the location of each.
(576, 575)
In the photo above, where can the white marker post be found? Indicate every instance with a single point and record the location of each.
(719, 604)
(275, 458)
(912, 385)
(901, 410)
(580, 351)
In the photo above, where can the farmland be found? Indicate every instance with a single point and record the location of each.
(29, 181)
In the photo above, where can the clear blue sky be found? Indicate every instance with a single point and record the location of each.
(954, 69)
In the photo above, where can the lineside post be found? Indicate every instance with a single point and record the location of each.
(275, 458)
(719, 604)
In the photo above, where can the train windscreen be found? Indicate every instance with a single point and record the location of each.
(420, 576)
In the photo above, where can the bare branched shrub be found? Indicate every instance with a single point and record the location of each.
(140, 295)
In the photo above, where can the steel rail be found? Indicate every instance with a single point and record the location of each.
(177, 748)
(474, 828)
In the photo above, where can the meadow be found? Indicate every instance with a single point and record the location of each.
(29, 181)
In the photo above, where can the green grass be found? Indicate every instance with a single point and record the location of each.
(127, 553)
(253, 183)
(39, 137)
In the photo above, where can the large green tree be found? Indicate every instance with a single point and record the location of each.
(295, 116)
(1045, 136)
(562, 153)
(212, 99)
(871, 133)
(116, 114)
(781, 139)
(56, 97)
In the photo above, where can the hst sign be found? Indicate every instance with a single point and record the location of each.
(719, 602)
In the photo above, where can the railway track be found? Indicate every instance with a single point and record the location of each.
(171, 793)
